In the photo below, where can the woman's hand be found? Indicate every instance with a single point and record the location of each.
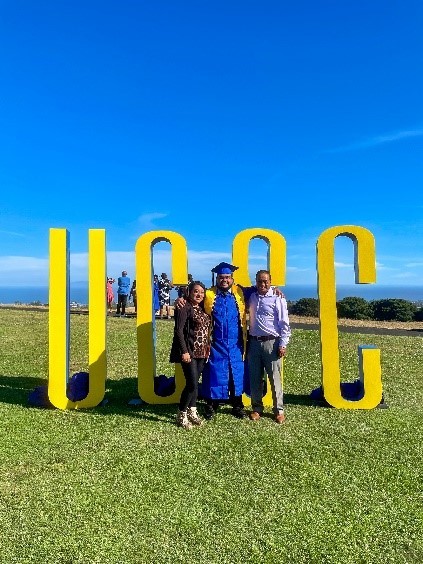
(186, 357)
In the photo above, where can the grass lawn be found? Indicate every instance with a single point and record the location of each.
(118, 484)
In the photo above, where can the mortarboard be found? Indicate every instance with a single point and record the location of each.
(223, 268)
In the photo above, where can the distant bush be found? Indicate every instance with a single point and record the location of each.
(36, 303)
(393, 310)
(354, 308)
(418, 316)
(307, 307)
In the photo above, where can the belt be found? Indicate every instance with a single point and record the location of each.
(263, 338)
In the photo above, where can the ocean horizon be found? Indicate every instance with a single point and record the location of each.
(79, 294)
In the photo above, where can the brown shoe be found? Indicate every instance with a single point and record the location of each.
(280, 418)
(254, 416)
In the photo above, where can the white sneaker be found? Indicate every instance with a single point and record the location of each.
(193, 416)
(182, 420)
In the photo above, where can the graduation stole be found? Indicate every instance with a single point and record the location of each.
(240, 302)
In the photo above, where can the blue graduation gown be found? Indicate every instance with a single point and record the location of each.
(226, 350)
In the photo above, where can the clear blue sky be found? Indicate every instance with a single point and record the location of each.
(207, 118)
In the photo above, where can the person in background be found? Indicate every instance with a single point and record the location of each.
(165, 285)
(182, 290)
(190, 349)
(124, 287)
(156, 300)
(269, 334)
(109, 293)
(133, 294)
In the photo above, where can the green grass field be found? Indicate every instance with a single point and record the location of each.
(118, 484)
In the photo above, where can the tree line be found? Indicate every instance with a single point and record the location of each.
(390, 309)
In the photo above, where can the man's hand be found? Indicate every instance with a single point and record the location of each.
(281, 352)
(179, 303)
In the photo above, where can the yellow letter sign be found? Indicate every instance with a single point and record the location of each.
(145, 315)
(59, 327)
(276, 260)
(369, 357)
(59, 319)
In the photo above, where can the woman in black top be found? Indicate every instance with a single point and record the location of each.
(190, 348)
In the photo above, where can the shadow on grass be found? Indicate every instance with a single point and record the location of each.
(303, 399)
(15, 390)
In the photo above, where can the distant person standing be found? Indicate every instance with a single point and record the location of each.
(183, 290)
(156, 300)
(133, 294)
(109, 293)
(165, 285)
(124, 287)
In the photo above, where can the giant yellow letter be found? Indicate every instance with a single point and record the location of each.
(145, 315)
(276, 260)
(59, 327)
(369, 357)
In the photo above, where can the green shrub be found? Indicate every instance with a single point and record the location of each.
(393, 310)
(354, 308)
(418, 316)
(307, 307)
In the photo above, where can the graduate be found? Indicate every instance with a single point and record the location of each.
(223, 375)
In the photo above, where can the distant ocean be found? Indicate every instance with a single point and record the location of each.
(27, 295)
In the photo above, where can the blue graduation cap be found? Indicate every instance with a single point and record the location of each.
(223, 268)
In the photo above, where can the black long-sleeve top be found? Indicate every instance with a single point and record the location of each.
(183, 334)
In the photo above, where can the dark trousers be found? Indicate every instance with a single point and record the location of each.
(121, 303)
(192, 371)
(235, 401)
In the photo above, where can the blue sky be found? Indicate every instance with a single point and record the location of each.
(207, 118)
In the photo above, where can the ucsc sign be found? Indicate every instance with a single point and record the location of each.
(59, 326)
